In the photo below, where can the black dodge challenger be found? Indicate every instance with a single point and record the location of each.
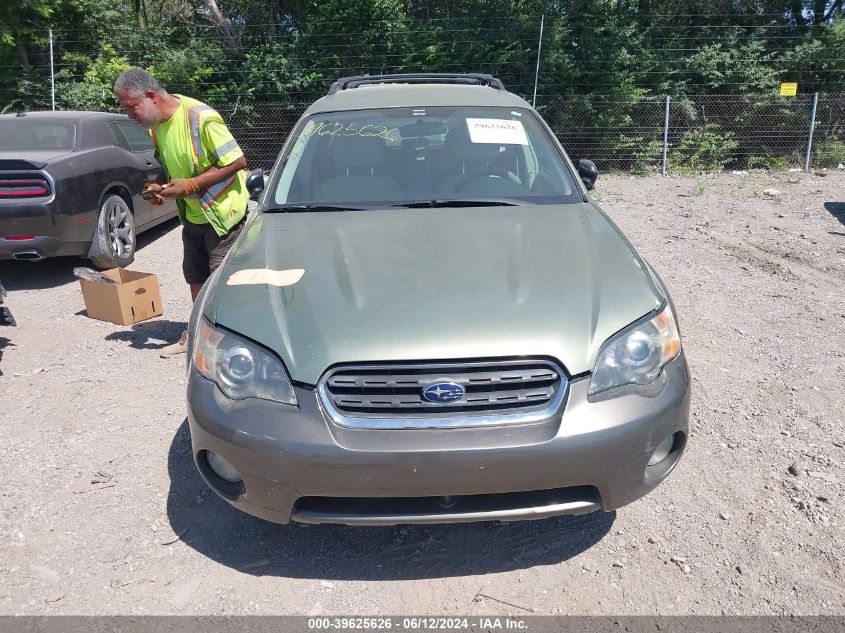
(70, 184)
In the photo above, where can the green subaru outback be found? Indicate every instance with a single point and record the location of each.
(429, 320)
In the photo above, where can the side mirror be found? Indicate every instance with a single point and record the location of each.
(588, 172)
(255, 183)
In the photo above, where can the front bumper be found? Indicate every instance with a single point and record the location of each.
(591, 454)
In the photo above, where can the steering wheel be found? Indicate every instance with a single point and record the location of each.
(484, 171)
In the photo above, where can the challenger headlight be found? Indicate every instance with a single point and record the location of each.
(240, 368)
(637, 355)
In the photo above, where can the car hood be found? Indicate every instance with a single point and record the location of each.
(435, 284)
(37, 158)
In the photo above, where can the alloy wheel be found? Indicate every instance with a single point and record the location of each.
(120, 228)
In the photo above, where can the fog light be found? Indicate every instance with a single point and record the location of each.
(663, 449)
(222, 468)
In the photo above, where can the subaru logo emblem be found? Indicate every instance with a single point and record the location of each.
(443, 392)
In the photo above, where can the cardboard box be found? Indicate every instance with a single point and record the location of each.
(134, 298)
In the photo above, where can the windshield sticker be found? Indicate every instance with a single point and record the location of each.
(497, 131)
(258, 276)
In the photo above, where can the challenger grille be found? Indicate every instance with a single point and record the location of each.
(491, 388)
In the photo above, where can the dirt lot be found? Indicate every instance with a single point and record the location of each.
(751, 522)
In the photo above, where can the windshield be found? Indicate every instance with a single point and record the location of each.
(16, 133)
(405, 155)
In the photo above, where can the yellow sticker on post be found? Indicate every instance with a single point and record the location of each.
(500, 131)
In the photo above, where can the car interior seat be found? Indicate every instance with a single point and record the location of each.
(469, 168)
(358, 172)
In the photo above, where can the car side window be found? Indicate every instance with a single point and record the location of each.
(139, 139)
(117, 138)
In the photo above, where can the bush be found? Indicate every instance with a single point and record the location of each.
(831, 153)
(636, 154)
(618, 152)
(648, 158)
(704, 149)
(768, 160)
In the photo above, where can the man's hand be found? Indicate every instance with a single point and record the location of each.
(151, 192)
(180, 188)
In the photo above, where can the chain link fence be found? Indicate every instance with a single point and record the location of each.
(705, 133)
(829, 135)
(655, 134)
(261, 129)
(616, 134)
(702, 133)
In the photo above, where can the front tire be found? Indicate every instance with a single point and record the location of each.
(113, 245)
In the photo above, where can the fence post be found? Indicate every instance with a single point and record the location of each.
(665, 134)
(537, 69)
(810, 133)
(52, 77)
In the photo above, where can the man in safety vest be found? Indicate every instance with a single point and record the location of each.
(205, 166)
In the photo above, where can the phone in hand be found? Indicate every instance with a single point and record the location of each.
(152, 192)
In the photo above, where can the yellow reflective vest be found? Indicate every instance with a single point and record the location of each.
(207, 142)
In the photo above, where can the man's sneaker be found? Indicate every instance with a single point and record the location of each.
(177, 348)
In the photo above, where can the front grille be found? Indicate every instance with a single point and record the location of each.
(531, 504)
(388, 391)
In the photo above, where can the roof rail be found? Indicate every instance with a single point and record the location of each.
(474, 79)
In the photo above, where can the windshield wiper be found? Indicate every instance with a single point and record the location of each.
(300, 208)
(433, 204)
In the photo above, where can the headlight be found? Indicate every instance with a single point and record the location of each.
(240, 368)
(637, 355)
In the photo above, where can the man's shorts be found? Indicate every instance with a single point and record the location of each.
(205, 250)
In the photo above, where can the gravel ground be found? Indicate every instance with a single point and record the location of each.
(103, 511)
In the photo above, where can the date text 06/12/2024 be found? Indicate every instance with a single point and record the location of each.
(418, 623)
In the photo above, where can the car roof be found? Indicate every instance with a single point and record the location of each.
(69, 116)
(397, 95)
